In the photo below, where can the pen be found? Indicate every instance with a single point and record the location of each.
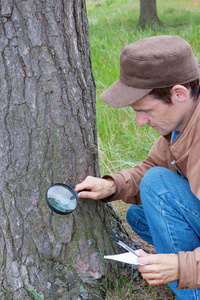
(123, 245)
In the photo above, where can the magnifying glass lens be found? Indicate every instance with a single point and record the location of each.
(61, 198)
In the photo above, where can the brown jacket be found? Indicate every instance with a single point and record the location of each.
(185, 151)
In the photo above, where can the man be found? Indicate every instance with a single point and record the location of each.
(159, 79)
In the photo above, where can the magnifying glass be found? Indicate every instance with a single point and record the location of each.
(61, 198)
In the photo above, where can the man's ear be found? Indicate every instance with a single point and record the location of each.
(179, 93)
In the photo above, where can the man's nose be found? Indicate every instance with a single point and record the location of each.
(141, 119)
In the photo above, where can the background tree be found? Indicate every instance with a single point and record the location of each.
(148, 14)
(48, 134)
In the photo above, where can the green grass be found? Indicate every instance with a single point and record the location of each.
(112, 25)
(129, 290)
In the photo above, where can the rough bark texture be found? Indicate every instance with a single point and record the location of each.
(48, 135)
(148, 14)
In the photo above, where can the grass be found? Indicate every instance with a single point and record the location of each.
(112, 25)
(129, 290)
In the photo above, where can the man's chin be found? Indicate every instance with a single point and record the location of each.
(162, 132)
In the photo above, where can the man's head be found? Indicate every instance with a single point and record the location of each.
(165, 116)
(150, 64)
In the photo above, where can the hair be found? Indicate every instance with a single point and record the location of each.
(164, 94)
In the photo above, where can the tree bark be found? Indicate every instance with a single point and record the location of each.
(148, 14)
(48, 135)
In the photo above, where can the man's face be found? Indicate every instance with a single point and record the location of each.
(163, 117)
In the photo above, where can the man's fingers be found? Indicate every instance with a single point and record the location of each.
(154, 278)
(84, 185)
(147, 259)
(142, 253)
(155, 282)
(88, 194)
(159, 268)
(98, 188)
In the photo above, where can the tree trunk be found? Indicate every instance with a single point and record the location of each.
(48, 135)
(148, 14)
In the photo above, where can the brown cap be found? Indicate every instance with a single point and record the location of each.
(153, 62)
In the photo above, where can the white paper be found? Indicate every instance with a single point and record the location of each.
(126, 257)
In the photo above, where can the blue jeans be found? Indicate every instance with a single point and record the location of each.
(169, 217)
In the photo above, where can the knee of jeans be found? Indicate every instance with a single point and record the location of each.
(130, 214)
(153, 182)
(152, 176)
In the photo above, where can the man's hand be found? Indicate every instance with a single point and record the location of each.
(158, 268)
(98, 188)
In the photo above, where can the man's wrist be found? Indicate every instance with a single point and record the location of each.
(111, 185)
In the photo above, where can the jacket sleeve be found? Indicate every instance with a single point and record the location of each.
(128, 180)
(128, 183)
(189, 269)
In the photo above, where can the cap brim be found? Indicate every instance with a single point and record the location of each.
(120, 95)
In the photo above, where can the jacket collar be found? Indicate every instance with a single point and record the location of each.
(183, 142)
